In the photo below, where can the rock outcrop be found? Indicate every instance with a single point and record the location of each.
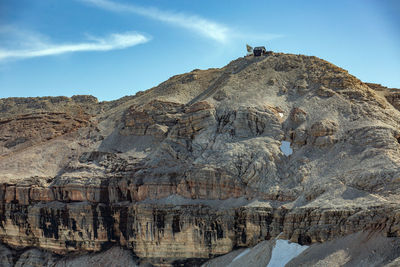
(358, 249)
(192, 169)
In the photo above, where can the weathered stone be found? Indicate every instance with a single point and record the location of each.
(298, 115)
(394, 98)
(192, 168)
(324, 141)
(325, 92)
(301, 86)
(323, 128)
(24, 131)
(299, 136)
(154, 118)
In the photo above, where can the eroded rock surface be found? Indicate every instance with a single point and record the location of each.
(192, 169)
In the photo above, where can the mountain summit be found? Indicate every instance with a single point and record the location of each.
(197, 167)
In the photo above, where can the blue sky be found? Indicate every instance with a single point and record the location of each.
(113, 48)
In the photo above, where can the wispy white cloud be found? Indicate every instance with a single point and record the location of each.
(197, 24)
(36, 45)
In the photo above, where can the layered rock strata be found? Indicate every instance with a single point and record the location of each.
(192, 168)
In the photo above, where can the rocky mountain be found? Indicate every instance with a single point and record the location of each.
(193, 169)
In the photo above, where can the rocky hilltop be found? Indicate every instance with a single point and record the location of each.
(193, 168)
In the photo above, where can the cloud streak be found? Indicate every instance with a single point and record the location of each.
(199, 25)
(34, 45)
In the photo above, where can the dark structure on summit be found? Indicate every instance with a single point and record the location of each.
(259, 50)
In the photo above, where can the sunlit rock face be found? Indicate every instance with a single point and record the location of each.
(194, 168)
(358, 249)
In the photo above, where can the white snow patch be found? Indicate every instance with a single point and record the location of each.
(281, 114)
(283, 252)
(241, 254)
(286, 149)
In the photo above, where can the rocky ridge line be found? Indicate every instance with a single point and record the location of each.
(192, 169)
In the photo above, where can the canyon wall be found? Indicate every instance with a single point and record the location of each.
(193, 169)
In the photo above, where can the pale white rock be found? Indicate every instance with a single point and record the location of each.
(286, 149)
(283, 252)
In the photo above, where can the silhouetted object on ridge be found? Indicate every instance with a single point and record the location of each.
(249, 50)
(259, 50)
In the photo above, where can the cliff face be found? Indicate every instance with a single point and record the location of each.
(192, 168)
